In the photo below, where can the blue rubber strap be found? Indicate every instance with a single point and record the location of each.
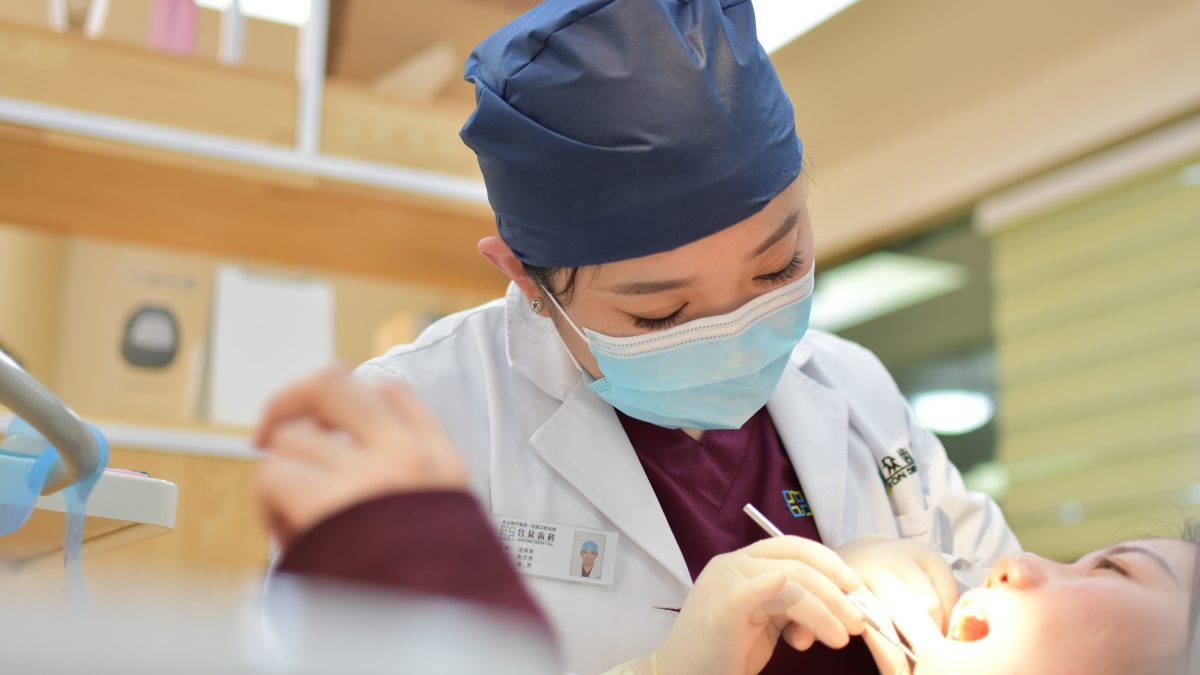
(28, 458)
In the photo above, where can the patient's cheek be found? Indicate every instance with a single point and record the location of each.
(1100, 630)
(1043, 634)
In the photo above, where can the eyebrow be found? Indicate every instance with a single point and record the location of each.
(644, 287)
(785, 228)
(1127, 548)
(647, 287)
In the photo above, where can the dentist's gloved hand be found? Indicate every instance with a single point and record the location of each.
(744, 600)
(908, 620)
(922, 569)
(916, 587)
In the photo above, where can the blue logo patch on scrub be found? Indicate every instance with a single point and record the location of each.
(796, 503)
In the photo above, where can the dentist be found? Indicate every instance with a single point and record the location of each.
(650, 369)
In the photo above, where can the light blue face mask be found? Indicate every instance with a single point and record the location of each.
(711, 373)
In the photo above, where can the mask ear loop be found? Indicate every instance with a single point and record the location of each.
(563, 312)
(567, 317)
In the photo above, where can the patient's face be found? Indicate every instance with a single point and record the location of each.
(1110, 610)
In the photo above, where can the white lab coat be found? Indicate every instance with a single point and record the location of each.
(541, 445)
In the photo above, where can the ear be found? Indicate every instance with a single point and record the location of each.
(502, 258)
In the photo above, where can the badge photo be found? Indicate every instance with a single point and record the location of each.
(589, 561)
(558, 551)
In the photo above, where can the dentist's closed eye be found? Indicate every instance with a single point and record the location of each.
(794, 265)
(787, 273)
(661, 322)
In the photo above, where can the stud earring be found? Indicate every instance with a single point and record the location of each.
(536, 305)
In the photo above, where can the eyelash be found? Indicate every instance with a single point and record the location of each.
(784, 274)
(661, 322)
(677, 317)
(1108, 564)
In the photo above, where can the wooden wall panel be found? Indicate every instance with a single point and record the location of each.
(31, 271)
(1047, 535)
(1097, 317)
(216, 526)
(942, 110)
(64, 300)
(1135, 377)
(25, 12)
(1123, 325)
(360, 123)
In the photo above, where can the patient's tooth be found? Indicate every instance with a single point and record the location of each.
(971, 626)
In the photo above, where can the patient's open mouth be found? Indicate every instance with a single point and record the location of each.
(968, 623)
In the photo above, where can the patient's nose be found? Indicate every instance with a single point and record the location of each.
(1017, 571)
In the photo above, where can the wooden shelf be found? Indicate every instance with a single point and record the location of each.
(192, 93)
(69, 185)
(69, 70)
(73, 185)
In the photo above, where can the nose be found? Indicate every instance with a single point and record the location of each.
(1020, 571)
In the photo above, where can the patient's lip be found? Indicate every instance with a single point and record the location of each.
(969, 621)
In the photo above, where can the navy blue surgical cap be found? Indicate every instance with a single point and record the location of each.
(613, 129)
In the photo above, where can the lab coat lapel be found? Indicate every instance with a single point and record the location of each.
(584, 442)
(813, 422)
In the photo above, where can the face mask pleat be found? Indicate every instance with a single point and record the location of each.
(711, 373)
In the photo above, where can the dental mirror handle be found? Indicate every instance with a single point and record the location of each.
(860, 602)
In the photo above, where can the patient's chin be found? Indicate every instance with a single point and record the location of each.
(956, 657)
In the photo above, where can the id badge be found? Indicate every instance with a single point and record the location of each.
(557, 551)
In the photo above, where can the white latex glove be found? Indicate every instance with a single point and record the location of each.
(912, 622)
(916, 587)
(927, 575)
(743, 601)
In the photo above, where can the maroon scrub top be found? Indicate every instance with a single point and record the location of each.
(703, 485)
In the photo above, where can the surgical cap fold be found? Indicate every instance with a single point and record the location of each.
(614, 129)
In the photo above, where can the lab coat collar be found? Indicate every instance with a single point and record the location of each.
(584, 442)
(535, 351)
(813, 422)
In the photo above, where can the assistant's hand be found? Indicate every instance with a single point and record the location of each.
(332, 441)
(916, 587)
(743, 600)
